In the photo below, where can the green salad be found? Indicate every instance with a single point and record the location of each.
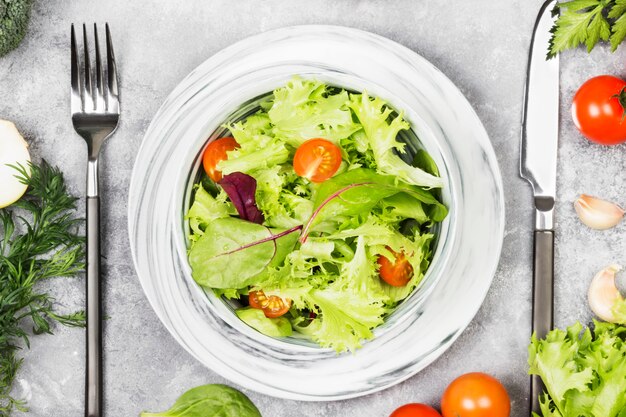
(311, 216)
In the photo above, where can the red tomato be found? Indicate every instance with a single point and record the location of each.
(216, 152)
(597, 111)
(257, 299)
(475, 395)
(415, 410)
(273, 306)
(276, 306)
(398, 273)
(317, 160)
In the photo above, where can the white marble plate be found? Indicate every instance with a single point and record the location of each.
(467, 252)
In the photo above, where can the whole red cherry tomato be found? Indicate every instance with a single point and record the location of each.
(598, 110)
(475, 395)
(415, 410)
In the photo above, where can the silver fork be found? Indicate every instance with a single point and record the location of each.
(95, 114)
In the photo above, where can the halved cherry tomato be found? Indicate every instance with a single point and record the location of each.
(273, 306)
(257, 299)
(317, 160)
(398, 273)
(415, 410)
(598, 110)
(475, 395)
(216, 152)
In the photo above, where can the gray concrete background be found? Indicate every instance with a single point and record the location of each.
(480, 44)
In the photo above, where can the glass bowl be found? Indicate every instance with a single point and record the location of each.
(228, 86)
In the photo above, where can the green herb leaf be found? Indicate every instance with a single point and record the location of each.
(213, 400)
(38, 241)
(618, 13)
(588, 22)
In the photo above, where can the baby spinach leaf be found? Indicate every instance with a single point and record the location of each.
(231, 252)
(425, 162)
(403, 205)
(213, 400)
(437, 212)
(241, 189)
(255, 318)
(358, 191)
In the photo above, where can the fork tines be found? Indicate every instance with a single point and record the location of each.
(90, 93)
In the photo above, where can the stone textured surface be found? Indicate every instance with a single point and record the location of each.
(481, 45)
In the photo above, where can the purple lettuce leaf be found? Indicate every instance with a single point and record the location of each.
(241, 189)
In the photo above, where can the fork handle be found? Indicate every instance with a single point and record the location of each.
(93, 381)
(543, 296)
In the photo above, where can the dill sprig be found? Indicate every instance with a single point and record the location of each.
(38, 240)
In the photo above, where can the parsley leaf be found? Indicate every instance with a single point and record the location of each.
(38, 241)
(588, 22)
(618, 12)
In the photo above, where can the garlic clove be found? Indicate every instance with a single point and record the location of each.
(598, 214)
(603, 293)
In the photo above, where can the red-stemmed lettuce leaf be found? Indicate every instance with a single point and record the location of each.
(232, 251)
(241, 189)
(358, 191)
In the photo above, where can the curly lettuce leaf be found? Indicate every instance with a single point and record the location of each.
(258, 146)
(349, 302)
(374, 116)
(248, 160)
(418, 254)
(304, 109)
(619, 310)
(360, 274)
(344, 318)
(281, 198)
(379, 237)
(584, 372)
(206, 208)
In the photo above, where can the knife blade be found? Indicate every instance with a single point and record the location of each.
(538, 165)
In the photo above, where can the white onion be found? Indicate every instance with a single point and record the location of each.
(13, 151)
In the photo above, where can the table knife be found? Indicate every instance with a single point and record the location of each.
(538, 161)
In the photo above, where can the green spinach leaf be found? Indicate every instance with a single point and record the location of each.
(403, 205)
(212, 400)
(255, 318)
(425, 162)
(231, 252)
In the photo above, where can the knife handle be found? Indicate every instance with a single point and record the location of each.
(543, 296)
